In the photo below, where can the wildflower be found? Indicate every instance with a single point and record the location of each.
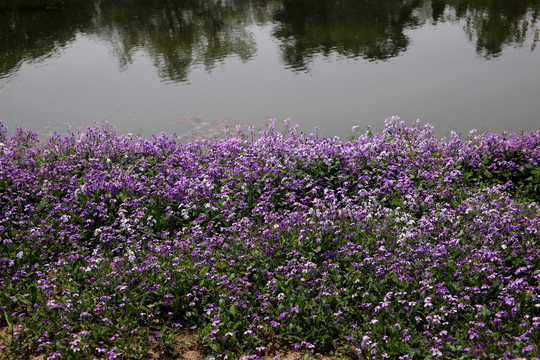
(112, 355)
(54, 355)
(131, 256)
(436, 352)
(365, 341)
(74, 343)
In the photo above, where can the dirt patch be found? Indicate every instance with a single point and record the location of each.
(5, 333)
(186, 346)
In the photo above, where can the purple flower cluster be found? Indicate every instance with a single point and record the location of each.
(393, 244)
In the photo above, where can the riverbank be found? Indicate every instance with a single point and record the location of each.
(394, 244)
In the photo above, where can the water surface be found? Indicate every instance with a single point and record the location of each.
(193, 67)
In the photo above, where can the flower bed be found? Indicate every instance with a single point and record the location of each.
(394, 244)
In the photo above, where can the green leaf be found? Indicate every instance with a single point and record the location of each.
(204, 270)
(8, 320)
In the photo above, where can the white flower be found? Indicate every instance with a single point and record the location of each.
(131, 256)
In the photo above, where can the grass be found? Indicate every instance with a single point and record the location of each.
(391, 245)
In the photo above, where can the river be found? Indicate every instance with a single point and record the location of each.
(194, 67)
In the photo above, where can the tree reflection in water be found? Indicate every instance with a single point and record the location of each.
(179, 35)
(369, 29)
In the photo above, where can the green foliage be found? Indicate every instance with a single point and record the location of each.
(353, 255)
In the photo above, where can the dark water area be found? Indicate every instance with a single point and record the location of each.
(194, 67)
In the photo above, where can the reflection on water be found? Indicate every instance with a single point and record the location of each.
(493, 24)
(31, 30)
(178, 35)
(182, 40)
(373, 30)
